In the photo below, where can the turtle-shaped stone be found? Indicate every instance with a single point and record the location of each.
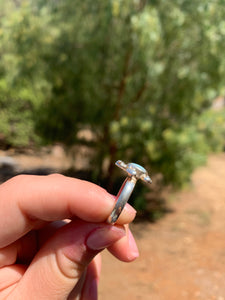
(136, 170)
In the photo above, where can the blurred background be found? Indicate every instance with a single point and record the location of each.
(84, 83)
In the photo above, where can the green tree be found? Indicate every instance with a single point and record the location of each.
(141, 75)
(23, 84)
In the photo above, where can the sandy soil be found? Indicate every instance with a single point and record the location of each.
(182, 256)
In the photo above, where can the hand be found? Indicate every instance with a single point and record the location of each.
(42, 256)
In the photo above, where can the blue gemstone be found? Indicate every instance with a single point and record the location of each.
(138, 167)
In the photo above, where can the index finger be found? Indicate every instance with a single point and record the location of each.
(28, 201)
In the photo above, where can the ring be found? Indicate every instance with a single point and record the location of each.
(134, 172)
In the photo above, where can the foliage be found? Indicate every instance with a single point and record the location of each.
(22, 81)
(141, 75)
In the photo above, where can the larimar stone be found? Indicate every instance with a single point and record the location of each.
(137, 167)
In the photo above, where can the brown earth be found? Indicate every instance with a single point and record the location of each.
(182, 256)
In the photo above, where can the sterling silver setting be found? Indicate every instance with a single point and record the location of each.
(134, 172)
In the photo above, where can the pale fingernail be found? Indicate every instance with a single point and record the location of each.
(90, 290)
(103, 237)
(134, 253)
(130, 210)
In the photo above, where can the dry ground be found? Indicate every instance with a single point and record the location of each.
(182, 256)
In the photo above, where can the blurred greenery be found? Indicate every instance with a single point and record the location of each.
(141, 75)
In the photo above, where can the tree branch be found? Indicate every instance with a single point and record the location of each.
(122, 84)
(140, 92)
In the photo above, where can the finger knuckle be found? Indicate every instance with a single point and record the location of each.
(70, 269)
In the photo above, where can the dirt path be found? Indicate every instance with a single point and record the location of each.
(183, 255)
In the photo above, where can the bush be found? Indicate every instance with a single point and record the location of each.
(140, 75)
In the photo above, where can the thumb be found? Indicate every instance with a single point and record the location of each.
(60, 263)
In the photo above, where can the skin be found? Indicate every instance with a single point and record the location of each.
(52, 230)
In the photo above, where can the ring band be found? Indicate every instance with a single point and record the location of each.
(122, 198)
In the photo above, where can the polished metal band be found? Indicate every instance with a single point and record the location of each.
(122, 198)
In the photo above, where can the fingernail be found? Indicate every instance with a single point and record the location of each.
(130, 210)
(134, 253)
(103, 237)
(92, 292)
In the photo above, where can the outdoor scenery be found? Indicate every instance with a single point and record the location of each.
(84, 83)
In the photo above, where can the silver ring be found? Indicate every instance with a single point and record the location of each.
(134, 172)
